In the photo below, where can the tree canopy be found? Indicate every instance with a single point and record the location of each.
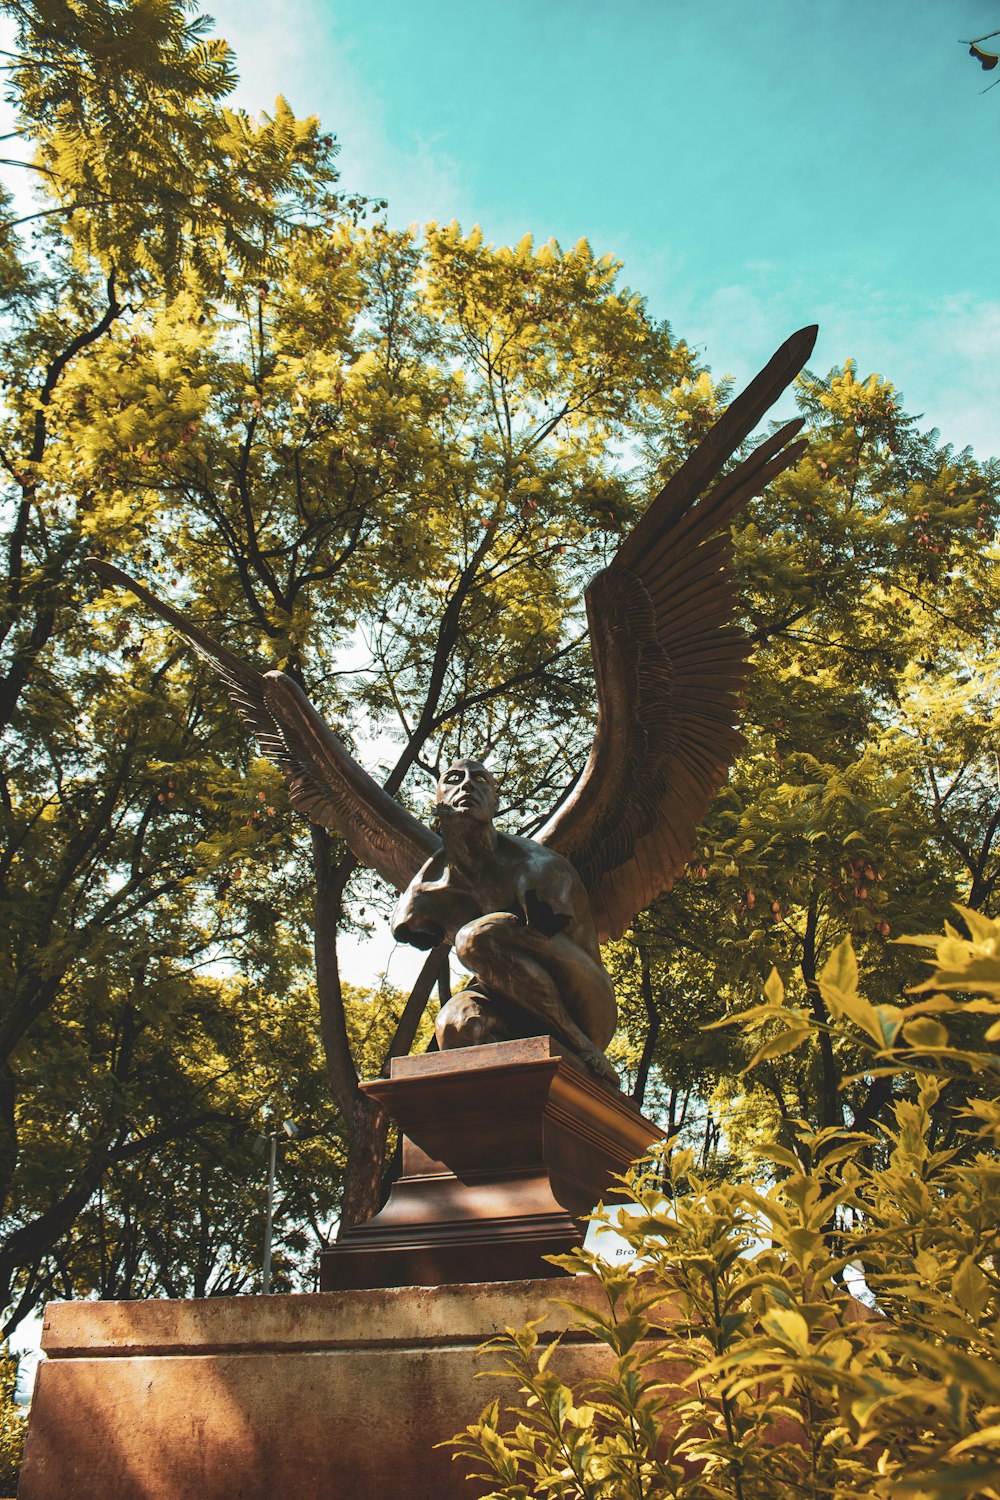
(387, 461)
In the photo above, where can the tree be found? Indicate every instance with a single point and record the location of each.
(12, 1422)
(100, 869)
(387, 462)
(868, 788)
(304, 429)
(428, 483)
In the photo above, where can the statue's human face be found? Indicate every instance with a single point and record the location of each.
(467, 787)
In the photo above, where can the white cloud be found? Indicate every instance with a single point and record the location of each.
(943, 356)
(316, 67)
(960, 363)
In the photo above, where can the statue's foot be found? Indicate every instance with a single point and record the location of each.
(471, 1019)
(598, 1064)
(468, 1020)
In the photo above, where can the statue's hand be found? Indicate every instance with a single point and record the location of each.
(541, 917)
(425, 937)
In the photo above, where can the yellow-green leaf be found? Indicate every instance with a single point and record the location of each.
(777, 1046)
(774, 989)
(788, 1327)
(923, 1032)
(841, 969)
(970, 1288)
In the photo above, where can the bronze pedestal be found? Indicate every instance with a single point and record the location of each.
(505, 1149)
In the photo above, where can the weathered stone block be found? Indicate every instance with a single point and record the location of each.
(329, 1396)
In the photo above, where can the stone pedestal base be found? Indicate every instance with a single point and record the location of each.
(505, 1149)
(315, 1397)
(343, 1394)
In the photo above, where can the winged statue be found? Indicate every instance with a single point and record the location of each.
(526, 916)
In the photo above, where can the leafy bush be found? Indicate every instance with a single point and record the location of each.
(12, 1424)
(788, 1385)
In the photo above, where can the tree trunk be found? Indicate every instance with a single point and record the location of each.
(654, 1022)
(8, 1131)
(331, 882)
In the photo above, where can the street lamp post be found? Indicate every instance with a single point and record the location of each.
(271, 1142)
(269, 1221)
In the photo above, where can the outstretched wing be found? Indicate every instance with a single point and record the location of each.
(669, 665)
(324, 781)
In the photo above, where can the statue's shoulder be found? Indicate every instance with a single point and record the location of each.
(529, 852)
(513, 844)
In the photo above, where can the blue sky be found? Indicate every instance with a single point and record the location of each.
(756, 167)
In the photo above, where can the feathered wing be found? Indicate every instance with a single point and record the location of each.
(324, 781)
(669, 665)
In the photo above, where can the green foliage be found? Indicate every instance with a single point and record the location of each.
(739, 1362)
(154, 936)
(12, 1424)
(379, 460)
(151, 175)
(866, 795)
(387, 462)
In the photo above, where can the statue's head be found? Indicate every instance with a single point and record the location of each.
(467, 787)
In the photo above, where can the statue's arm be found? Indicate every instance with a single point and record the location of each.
(431, 909)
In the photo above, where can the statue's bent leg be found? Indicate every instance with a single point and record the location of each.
(551, 977)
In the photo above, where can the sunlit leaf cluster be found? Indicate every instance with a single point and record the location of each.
(829, 1329)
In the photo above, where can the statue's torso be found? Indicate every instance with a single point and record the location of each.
(443, 896)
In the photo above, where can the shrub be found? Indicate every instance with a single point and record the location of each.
(789, 1385)
(12, 1424)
